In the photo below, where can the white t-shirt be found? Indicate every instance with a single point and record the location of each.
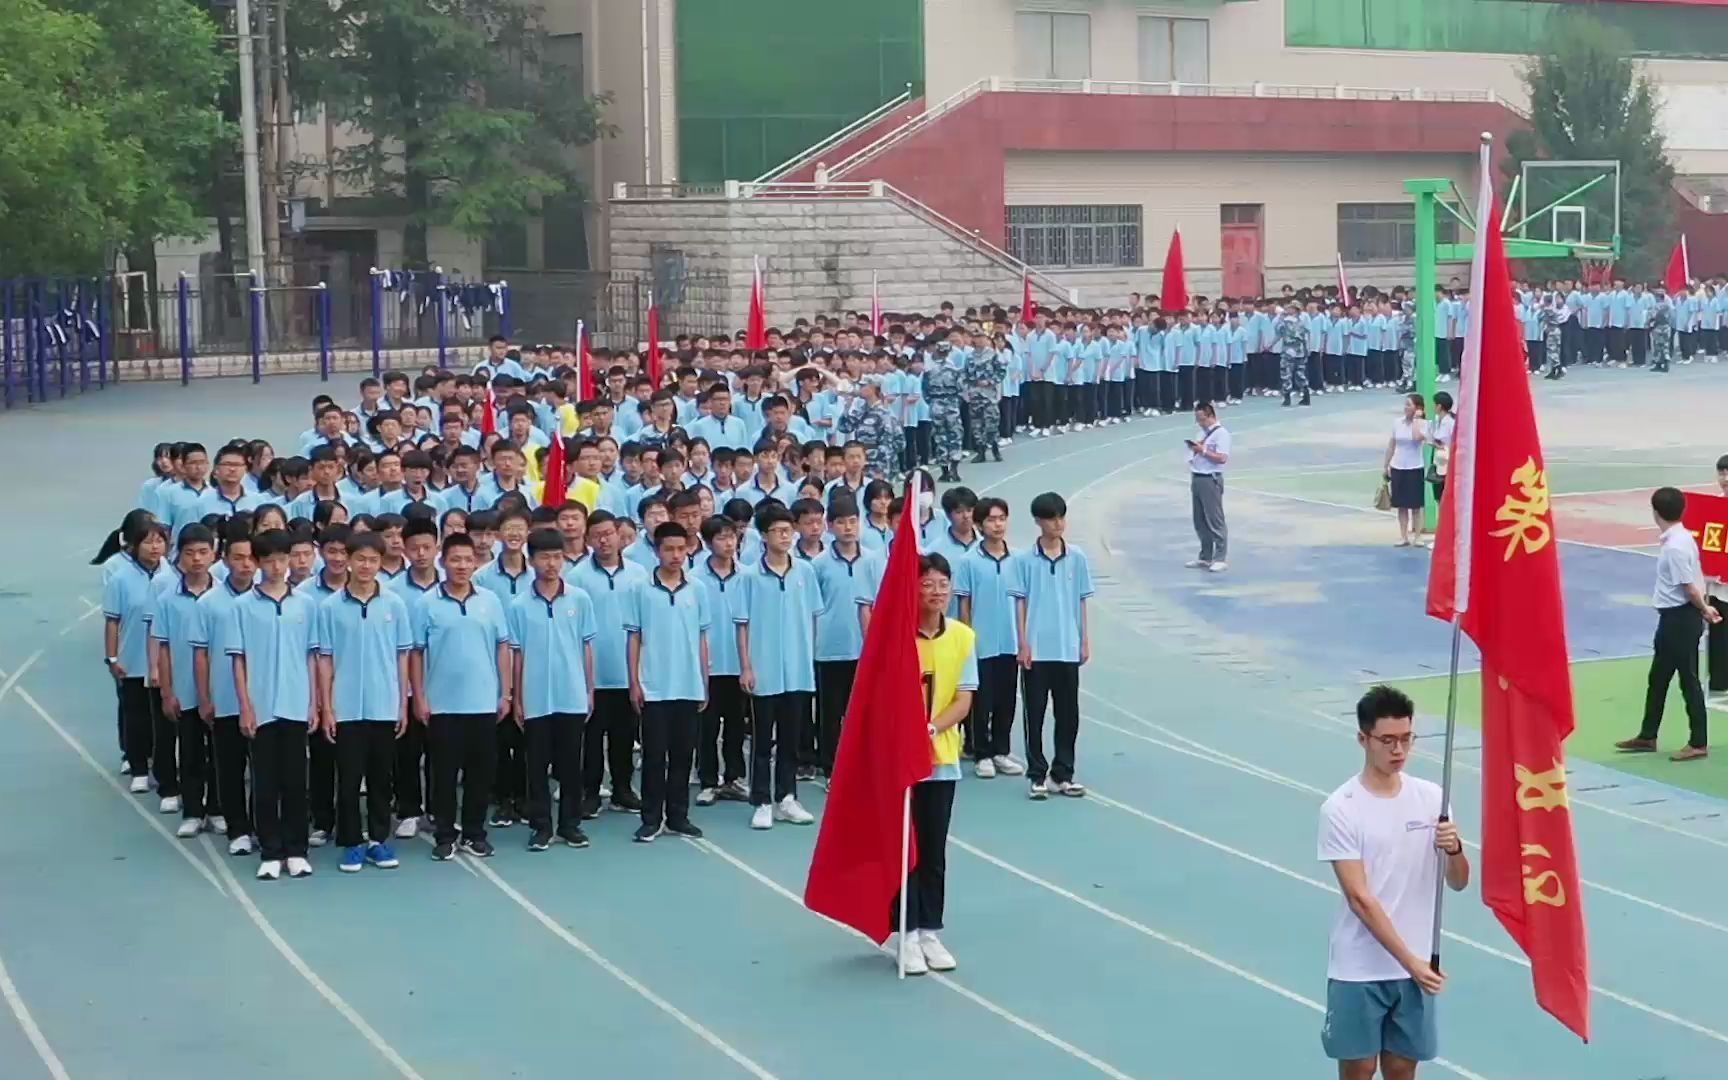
(1394, 840)
(1407, 438)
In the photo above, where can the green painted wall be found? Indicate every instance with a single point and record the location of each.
(1497, 26)
(760, 80)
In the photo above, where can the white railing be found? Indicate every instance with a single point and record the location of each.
(995, 84)
(838, 137)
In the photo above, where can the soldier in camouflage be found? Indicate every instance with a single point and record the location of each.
(1407, 347)
(1661, 332)
(1554, 337)
(868, 419)
(1293, 355)
(982, 379)
(943, 384)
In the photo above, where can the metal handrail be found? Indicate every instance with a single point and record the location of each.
(840, 136)
(916, 123)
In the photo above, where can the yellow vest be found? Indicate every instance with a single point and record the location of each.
(942, 659)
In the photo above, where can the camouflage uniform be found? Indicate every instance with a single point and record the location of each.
(1407, 345)
(982, 379)
(1553, 340)
(1661, 334)
(943, 384)
(1293, 356)
(875, 427)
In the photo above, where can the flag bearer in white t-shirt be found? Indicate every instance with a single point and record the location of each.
(1380, 831)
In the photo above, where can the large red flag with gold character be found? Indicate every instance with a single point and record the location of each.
(1496, 570)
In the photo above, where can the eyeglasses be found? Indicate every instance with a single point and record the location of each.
(1393, 742)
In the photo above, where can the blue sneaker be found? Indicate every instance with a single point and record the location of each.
(352, 859)
(383, 856)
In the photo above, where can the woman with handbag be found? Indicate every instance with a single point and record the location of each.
(1403, 470)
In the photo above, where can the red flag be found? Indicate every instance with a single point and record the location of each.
(1028, 304)
(489, 416)
(884, 749)
(1679, 272)
(584, 363)
(653, 341)
(875, 306)
(554, 483)
(756, 330)
(1343, 283)
(1173, 293)
(1496, 569)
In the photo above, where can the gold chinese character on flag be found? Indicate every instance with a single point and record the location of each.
(1525, 512)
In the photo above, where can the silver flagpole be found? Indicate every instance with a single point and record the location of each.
(905, 875)
(1446, 788)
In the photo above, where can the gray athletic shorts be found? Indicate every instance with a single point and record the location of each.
(1364, 1019)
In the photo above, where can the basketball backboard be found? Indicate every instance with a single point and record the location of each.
(1574, 203)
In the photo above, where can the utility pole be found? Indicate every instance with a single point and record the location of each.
(249, 142)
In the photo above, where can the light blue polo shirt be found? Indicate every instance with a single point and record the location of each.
(178, 504)
(215, 636)
(610, 592)
(729, 433)
(641, 553)
(491, 491)
(212, 501)
(670, 623)
(399, 500)
(754, 493)
(459, 640)
(502, 583)
(942, 541)
(276, 637)
(303, 504)
(175, 621)
(873, 538)
(457, 497)
(364, 640)
(986, 580)
(1053, 589)
(129, 598)
(845, 585)
(552, 637)
(725, 596)
(781, 614)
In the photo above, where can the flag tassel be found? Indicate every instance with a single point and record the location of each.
(905, 876)
(1446, 790)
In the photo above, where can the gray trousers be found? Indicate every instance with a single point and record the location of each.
(1208, 492)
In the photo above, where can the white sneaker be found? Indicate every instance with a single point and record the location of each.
(1040, 791)
(216, 823)
(1196, 564)
(240, 845)
(936, 954)
(762, 817)
(789, 810)
(1068, 788)
(189, 828)
(298, 867)
(1037, 433)
(707, 796)
(1007, 766)
(985, 769)
(408, 828)
(269, 869)
(1219, 567)
(318, 838)
(170, 805)
(140, 785)
(911, 956)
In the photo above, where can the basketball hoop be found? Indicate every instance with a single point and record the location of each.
(1595, 267)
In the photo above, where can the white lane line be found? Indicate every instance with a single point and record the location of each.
(1327, 887)
(89, 610)
(15, 1001)
(1417, 677)
(299, 964)
(975, 998)
(105, 774)
(1165, 939)
(690, 1023)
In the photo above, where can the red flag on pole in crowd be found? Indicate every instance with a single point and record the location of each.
(756, 330)
(653, 356)
(1028, 303)
(1679, 272)
(1496, 571)
(875, 305)
(489, 414)
(584, 363)
(884, 749)
(554, 483)
(1343, 283)
(1173, 293)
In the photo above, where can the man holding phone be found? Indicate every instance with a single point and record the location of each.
(1207, 457)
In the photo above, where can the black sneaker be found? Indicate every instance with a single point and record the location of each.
(733, 791)
(645, 834)
(573, 836)
(626, 802)
(806, 772)
(480, 849)
(541, 840)
(503, 817)
(684, 829)
(590, 809)
(444, 852)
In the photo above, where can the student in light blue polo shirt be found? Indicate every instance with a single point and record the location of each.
(509, 575)
(668, 621)
(460, 678)
(723, 717)
(174, 627)
(365, 637)
(326, 473)
(848, 577)
(552, 632)
(218, 698)
(272, 638)
(1050, 589)
(128, 599)
(178, 501)
(983, 577)
(610, 737)
(955, 537)
(228, 495)
(653, 513)
(768, 482)
(776, 655)
(719, 426)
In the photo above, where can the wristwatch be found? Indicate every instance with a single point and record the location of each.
(110, 661)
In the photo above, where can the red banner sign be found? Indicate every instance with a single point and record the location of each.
(1706, 518)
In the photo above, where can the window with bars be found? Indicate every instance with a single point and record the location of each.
(1075, 237)
(1385, 232)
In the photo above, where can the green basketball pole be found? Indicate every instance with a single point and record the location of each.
(1427, 258)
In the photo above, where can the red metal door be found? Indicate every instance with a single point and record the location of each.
(1239, 243)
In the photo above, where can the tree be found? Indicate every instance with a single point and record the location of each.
(1587, 101)
(107, 108)
(466, 120)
